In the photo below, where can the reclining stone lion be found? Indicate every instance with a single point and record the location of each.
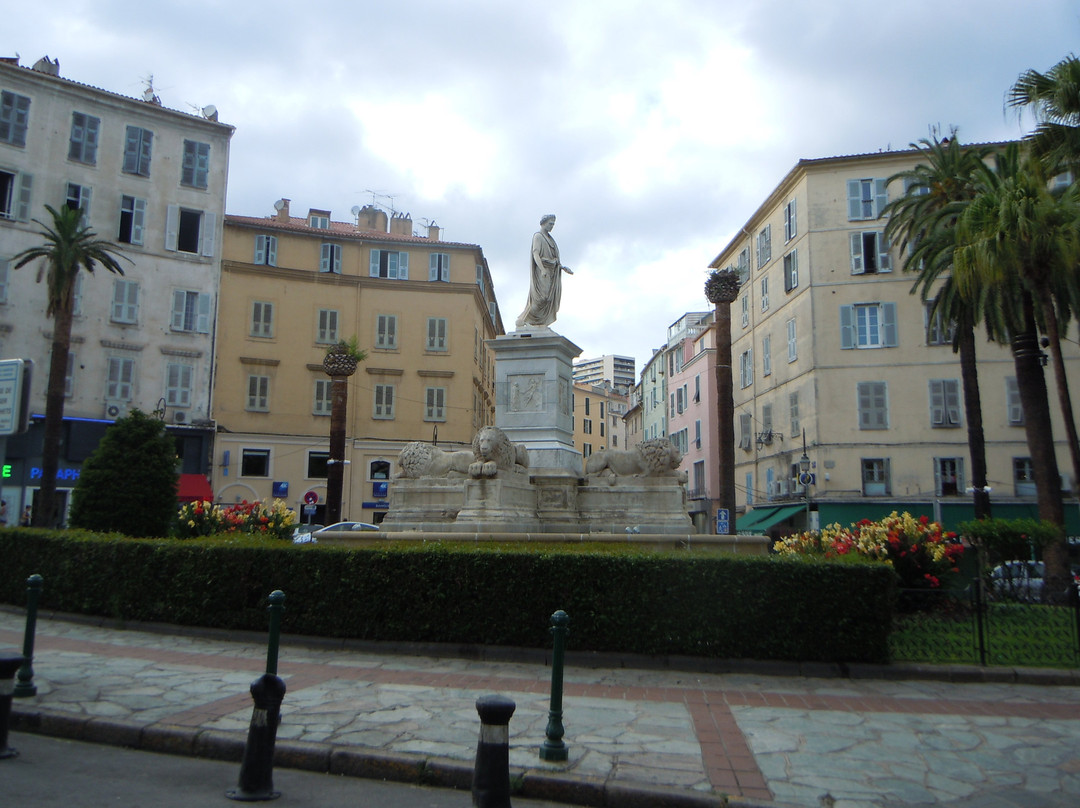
(491, 451)
(657, 457)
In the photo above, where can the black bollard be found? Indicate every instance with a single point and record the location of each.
(8, 666)
(25, 686)
(491, 774)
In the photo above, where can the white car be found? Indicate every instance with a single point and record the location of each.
(1018, 580)
(344, 527)
(302, 533)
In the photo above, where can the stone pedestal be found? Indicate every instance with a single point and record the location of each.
(534, 397)
(427, 500)
(640, 504)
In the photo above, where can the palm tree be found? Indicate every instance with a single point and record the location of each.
(1054, 99)
(1017, 237)
(922, 222)
(68, 246)
(721, 289)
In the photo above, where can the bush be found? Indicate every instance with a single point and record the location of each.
(207, 519)
(1001, 540)
(677, 603)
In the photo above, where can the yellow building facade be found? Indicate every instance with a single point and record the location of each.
(420, 307)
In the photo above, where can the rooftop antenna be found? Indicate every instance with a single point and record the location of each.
(377, 195)
(149, 96)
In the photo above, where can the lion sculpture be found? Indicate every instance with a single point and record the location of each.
(491, 451)
(657, 457)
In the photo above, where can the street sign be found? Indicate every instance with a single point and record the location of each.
(723, 521)
(14, 396)
(311, 497)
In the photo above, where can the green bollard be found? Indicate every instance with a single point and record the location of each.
(553, 749)
(25, 686)
(277, 606)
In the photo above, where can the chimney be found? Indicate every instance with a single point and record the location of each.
(401, 224)
(433, 231)
(282, 208)
(371, 218)
(47, 65)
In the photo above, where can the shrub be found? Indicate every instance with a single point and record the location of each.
(207, 519)
(1009, 539)
(921, 554)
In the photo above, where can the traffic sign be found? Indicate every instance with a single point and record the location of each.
(723, 521)
(311, 497)
(14, 396)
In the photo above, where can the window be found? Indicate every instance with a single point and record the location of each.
(944, 403)
(137, 147)
(384, 401)
(791, 271)
(317, 465)
(697, 388)
(323, 401)
(379, 470)
(746, 437)
(680, 400)
(196, 164)
(178, 378)
(948, 476)
(1024, 477)
(121, 378)
(125, 302)
(266, 250)
(765, 293)
(938, 332)
(258, 397)
(587, 402)
(3, 280)
(870, 253)
(766, 419)
(262, 319)
(743, 265)
(439, 267)
(14, 116)
(387, 264)
(327, 331)
(866, 198)
(190, 311)
(792, 341)
(868, 325)
(791, 228)
(745, 309)
(793, 409)
(1012, 402)
(586, 426)
(764, 246)
(875, 477)
(746, 368)
(699, 477)
(15, 195)
(132, 220)
(873, 405)
(386, 331)
(586, 449)
(436, 333)
(84, 138)
(319, 221)
(189, 231)
(255, 463)
(78, 198)
(330, 260)
(435, 409)
(766, 355)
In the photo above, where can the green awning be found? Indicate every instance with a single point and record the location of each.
(761, 519)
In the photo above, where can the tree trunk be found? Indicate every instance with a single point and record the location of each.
(969, 377)
(335, 467)
(1064, 399)
(725, 413)
(46, 510)
(1027, 358)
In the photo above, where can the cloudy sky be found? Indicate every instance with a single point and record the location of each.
(652, 129)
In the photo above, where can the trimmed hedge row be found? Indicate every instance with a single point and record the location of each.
(678, 603)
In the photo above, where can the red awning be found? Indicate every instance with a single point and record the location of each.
(194, 488)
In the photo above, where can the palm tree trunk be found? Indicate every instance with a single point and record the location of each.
(46, 511)
(969, 378)
(1027, 358)
(1053, 334)
(725, 413)
(335, 470)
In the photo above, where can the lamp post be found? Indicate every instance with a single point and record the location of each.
(804, 477)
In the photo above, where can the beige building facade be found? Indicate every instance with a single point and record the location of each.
(421, 308)
(599, 418)
(833, 353)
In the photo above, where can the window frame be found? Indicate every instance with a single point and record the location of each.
(83, 140)
(265, 250)
(330, 258)
(791, 271)
(125, 302)
(179, 382)
(872, 405)
(437, 332)
(195, 165)
(945, 403)
(885, 328)
(248, 456)
(326, 326)
(386, 331)
(322, 401)
(435, 404)
(382, 405)
(14, 118)
(439, 267)
(138, 151)
(261, 321)
(132, 220)
(866, 198)
(190, 313)
(791, 222)
(876, 472)
(258, 393)
(400, 261)
(120, 378)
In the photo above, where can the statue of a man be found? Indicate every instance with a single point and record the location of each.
(545, 278)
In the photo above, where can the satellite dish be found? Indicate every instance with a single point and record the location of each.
(279, 204)
(210, 112)
(355, 210)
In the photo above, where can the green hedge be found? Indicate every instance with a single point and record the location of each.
(679, 603)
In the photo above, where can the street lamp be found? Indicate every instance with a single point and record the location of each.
(804, 477)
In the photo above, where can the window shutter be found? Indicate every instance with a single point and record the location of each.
(260, 249)
(208, 232)
(138, 220)
(881, 196)
(325, 258)
(854, 199)
(888, 325)
(952, 402)
(937, 402)
(179, 300)
(22, 205)
(172, 226)
(884, 258)
(202, 322)
(271, 250)
(857, 263)
(119, 299)
(433, 267)
(403, 266)
(847, 326)
(373, 264)
(391, 331)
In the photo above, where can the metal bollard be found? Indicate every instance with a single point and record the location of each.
(491, 774)
(8, 666)
(268, 691)
(553, 748)
(25, 686)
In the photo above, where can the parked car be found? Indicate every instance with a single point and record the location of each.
(302, 533)
(344, 527)
(1018, 580)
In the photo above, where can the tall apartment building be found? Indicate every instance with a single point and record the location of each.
(152, 180)
(831, 351)
(617, 371)
(421, 307)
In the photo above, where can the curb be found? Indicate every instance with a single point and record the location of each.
(371, 764)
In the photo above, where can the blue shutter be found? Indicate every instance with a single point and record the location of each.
(854, 200)
(202, 322)
(433, 267)
(847, 326)
(403, 266)
(858, 267)
(373, 265)
(888, 325)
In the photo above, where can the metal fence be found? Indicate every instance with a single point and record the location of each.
(968, 627)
